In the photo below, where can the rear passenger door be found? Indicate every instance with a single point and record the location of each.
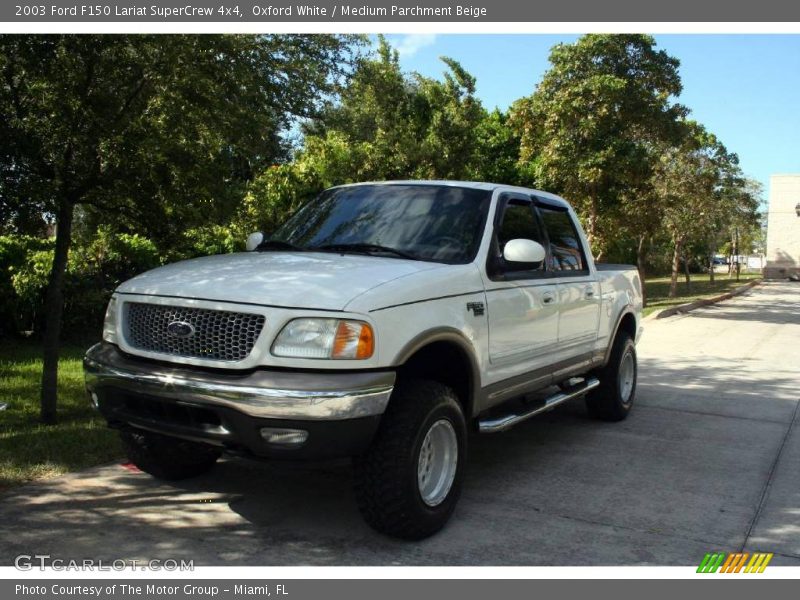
(578, 291)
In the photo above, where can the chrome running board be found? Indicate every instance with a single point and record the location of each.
(507, 421)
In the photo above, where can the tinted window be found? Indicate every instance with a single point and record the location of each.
(519, 222)
(566, 253)
(432, 222)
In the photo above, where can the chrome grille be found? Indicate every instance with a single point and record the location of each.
(191, 332)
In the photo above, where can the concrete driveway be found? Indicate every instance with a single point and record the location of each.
(708, 460)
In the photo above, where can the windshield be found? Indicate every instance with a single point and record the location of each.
(426, 222)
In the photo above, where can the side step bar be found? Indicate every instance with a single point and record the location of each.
(508, 421)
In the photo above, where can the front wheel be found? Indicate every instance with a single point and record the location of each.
(613, 399)
(409, 481)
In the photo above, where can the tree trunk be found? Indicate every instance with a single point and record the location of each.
(54, 309)
(641, 260)
(711, 267)
(686, 273)
(712, 253)
(731, 257)
(676, 264)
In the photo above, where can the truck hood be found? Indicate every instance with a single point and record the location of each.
(312, 280)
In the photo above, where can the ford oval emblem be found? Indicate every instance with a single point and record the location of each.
(180, 329)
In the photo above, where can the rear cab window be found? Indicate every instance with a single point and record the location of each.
(566, 255)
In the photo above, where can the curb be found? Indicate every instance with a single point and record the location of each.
(685, 308)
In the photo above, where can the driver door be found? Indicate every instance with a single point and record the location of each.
(522, 302)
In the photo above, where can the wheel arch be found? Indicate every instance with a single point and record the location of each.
(447, 356)
(626, 323)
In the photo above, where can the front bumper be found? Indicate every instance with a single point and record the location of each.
(340, 411)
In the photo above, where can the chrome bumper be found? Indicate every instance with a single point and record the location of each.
(263, 394)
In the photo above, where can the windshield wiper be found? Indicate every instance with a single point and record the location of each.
(365, 248)
(278, 245)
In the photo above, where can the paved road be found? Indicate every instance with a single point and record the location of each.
(708, 460)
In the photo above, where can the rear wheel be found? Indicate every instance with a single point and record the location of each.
(409, 481)
(613, 399)
(167, 458)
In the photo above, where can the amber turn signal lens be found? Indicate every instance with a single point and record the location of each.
(354, 340)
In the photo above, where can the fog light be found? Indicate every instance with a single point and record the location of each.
(284, 437)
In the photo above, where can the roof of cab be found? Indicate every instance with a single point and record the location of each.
(478, 185)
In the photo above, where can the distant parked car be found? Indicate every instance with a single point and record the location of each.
(719, 264)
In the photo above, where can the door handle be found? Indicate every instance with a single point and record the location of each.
(548, 298)
(589, 292)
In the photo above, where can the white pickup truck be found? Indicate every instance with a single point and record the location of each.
(382, 321)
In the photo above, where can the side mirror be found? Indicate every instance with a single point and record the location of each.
(523, 251)
(254, 241)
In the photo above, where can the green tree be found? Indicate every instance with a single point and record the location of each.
(274, 194)
(496, 156)
(742, 223)
(163, 131)
(699, 188)
(390, 125)
(589, 128)
(453, 114)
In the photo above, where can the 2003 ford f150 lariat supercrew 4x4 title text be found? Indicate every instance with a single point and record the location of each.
(382, 321)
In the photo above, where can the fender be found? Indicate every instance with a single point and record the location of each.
(450, 335)
(626, 310)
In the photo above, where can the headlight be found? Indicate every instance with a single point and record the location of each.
(325, 338)
(110, 322)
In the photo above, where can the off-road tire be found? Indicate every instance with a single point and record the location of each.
(167, 458)
(611, 401)
(386, 477)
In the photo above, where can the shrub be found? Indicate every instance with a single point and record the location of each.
(273, 195)
(21, 258)
(95, 268)
(205, 241)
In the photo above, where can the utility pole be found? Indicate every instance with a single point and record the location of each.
(736, 253)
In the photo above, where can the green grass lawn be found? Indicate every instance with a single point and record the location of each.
(700, 287)
(30, 450)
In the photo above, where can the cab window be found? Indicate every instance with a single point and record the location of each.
(566, 252)
(518, 222)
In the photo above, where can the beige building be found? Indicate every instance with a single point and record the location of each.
(783, 227)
